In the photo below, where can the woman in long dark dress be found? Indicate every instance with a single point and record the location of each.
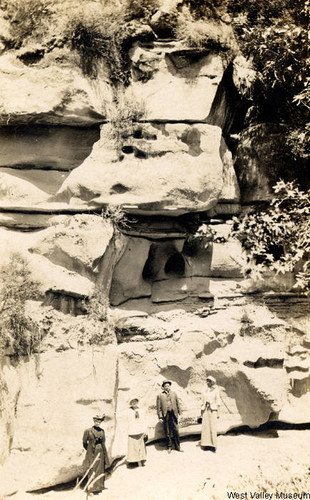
(96, 459)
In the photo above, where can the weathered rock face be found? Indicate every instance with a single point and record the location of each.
(65, 97)
(35, 160)
(76, 244)
(162, 78)
(18, 191)
(164, 169)
(60, 394)
(244, 344)
(9, 394)
(69, 257)
(46, 147)
(179, 307)
(175, 269)
(261, 160)
(230, 102)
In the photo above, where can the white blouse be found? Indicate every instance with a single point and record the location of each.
(211, 396)
(135, 425)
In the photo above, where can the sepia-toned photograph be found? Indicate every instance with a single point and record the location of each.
(154, 249)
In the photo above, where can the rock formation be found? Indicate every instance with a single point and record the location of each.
(98, 206)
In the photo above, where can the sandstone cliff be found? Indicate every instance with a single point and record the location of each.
(103, 189)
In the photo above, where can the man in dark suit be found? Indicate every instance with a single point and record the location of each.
(168, 410)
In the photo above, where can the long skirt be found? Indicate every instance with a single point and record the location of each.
(136, 448)
(97, 470)
(208, 428)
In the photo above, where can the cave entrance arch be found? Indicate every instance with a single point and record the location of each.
(149, 270)
(175, 265)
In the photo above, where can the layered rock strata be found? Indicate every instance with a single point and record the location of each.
(179, 307)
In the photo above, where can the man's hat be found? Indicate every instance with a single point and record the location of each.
(132, 400)
(99, 417)
(166, 382)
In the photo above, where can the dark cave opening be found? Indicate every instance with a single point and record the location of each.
(175, 264)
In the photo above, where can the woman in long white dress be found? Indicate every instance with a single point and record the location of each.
(209, 413)
(136, 451)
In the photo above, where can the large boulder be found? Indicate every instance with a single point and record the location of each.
(175, 82)
(167, 169)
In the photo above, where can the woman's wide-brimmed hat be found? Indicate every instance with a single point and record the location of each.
(98, 417)
(166, 382)
(212, 379)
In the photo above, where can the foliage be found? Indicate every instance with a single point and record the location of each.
(99, 328)
(203, 8)
(278, 238)
(202, 33)
(104, 33)
(201, 238)
(260, 11)
(27, 18)
(18, 332)
(140, 9)
(280, 57)
(97, 306)
(116, 215)
(95, 33)
(274, 35)
(122, 113)
(298, 142)
(205, 234)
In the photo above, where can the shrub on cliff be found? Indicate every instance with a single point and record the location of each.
(28, 18)
(140, 9)
(274, 35)
(104, 33)
(203, 33)
(18, 333)
(95, 34)
(99, 329)
(122, 113)
(278, 238)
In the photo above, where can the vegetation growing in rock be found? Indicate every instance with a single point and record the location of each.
(18, 333)
(116, 215)
(103, 32)
(28, 19)
(275, 36)
(278, 238)
(122, 114)
(99, 34)
(203, 33)
(99, 329)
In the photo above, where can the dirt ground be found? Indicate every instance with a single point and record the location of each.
(261, 466)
